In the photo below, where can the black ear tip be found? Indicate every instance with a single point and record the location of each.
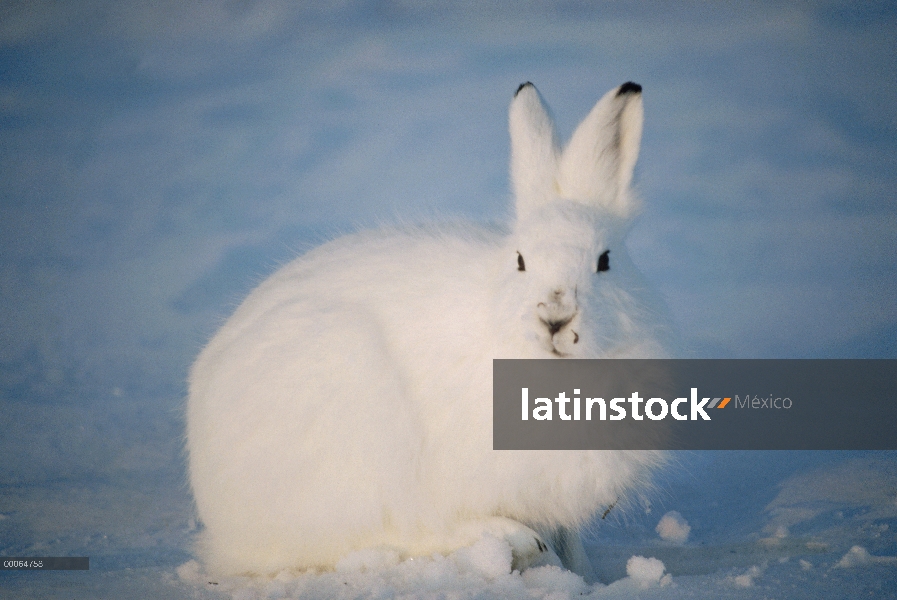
(629, 88)
(522, 85)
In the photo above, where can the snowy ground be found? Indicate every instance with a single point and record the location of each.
(157, 159)
(749, 525)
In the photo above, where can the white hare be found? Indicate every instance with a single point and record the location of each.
(347, 403)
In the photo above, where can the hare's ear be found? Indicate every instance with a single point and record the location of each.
(596, 166)
(534, 150)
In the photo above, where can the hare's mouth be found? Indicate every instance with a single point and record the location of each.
(556, 325)
(559, 335)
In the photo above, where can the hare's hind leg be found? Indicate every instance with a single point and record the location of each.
(323, 450)
(368, 444)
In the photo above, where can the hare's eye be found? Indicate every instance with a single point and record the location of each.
(520, 265)
(603, 262)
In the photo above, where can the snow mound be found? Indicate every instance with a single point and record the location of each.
(746, 580)
(647, 572)
(673, 528)
(860, 557)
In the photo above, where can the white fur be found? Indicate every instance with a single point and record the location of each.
(347, 402)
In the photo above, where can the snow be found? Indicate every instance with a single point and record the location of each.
(489, 558)
(843, 544)
(157, 160)
(860, 557)
(673, 528)
(646, 572)
(746, 579)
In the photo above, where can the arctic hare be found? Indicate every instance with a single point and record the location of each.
(347, 403)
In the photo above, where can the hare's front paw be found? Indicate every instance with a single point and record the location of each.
(528, 548)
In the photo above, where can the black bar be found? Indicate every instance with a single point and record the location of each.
(45, 563)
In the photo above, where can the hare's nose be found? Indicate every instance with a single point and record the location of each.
(556, 325)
